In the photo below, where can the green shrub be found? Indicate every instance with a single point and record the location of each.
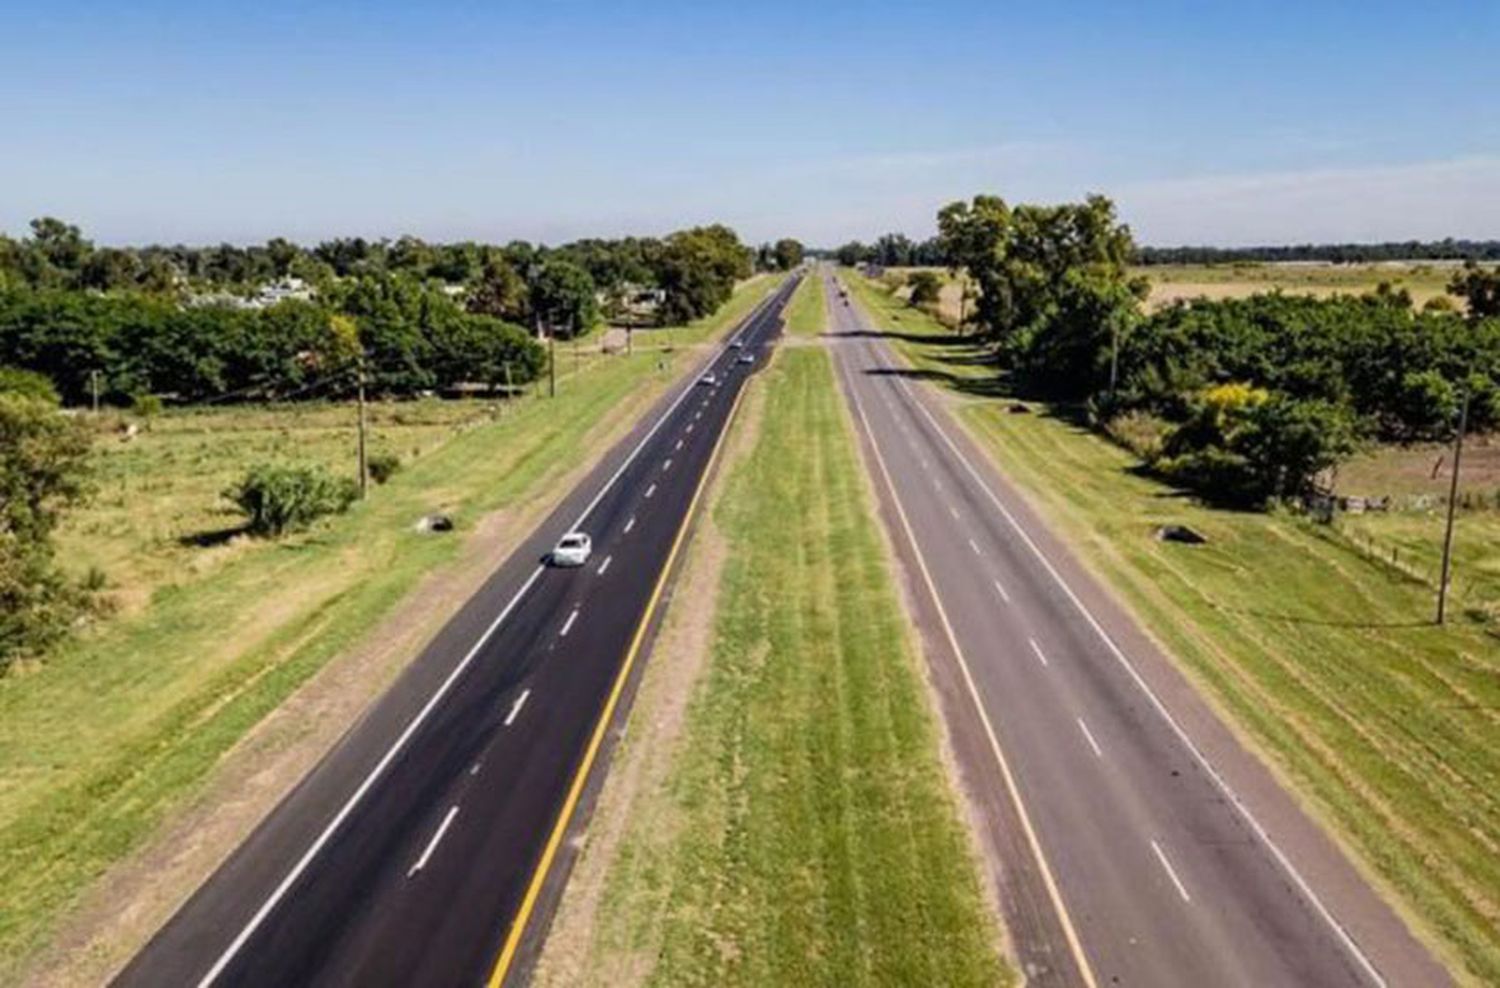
(1141, 432)
(278, 499)
(14, 380)
(926, 287)
(146, 405)
(383, 466)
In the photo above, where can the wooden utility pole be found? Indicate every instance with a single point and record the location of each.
(94, 387)
(364, 471)
(1458, 452)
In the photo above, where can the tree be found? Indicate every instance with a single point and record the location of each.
(563, 297)
(1480, 288)
(43, 470)
(788, 253)
(500, 291)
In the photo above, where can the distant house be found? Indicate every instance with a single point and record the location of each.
(279, 291)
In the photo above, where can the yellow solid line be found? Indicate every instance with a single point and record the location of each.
(1053, 892)
(539, 877)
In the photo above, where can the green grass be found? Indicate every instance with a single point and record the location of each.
(1387, 726)
(99, 744)
(805, 313)
(805, 835)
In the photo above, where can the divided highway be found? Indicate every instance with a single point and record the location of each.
(418, 849)
(1137, 842)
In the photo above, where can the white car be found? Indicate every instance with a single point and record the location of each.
(736, 344)
(573, 549)
(708, 381)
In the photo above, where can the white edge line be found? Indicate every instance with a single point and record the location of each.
(1089, 736)
(515, 708)
(1202, 759)
(432, 844)
(1171, 872)
(1034, 843)
(287, 881)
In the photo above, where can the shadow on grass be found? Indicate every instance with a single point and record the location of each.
(212, 537)
(1323, 622)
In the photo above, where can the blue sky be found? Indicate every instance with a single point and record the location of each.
(1234, 123)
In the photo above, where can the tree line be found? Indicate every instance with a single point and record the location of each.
(154, 320)
(1406, 250)
(893, 250)
(1244, 400)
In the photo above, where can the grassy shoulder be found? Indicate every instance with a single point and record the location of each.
(1325, 656)
(99, 745)
(803, 832)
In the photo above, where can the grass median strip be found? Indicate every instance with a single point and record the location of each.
(99, 745)
(805, 833)
(1384, 723)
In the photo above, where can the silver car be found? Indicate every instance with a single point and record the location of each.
(573, 549)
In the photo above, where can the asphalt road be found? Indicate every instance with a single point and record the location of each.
(1138, 842)
(405, 857)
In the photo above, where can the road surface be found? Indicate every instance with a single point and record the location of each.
(417, 850)
(1138, 843)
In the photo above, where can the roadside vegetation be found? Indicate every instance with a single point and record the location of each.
(803, 833)
(1318, 648)
(805, 312)
(122, 725)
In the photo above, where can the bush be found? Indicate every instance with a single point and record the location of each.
(1140, 432)
(14, 380)
(146, 405)
(926, 287)
(278, 499)
(383, 466)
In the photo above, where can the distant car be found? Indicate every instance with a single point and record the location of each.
(708, 380)
(746, 358)
(736, 344)
(573, 549)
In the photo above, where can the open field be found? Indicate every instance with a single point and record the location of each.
(802, 832)
(119, 728)
(1171, 282)
(1322, 656)
(1174, 282)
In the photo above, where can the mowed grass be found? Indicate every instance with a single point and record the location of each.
(806, 834)
(805, 313)
(99, 744)
(1387, 726)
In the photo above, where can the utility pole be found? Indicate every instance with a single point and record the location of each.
(551, 366)
(508, 385)
(94, 387)
(364, 472)
(575, 356)
(1458, 452)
